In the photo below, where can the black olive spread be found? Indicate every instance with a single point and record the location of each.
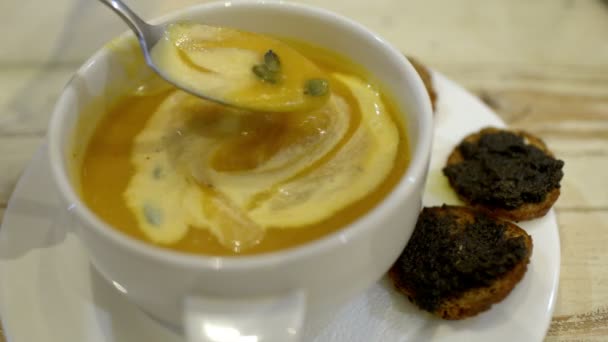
(502, 171)
(445, 258)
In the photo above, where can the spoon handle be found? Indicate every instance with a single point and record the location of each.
(143, 31)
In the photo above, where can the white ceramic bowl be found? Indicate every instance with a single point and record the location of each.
(266, 295)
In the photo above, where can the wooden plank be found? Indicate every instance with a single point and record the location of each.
(575, 127)
(558, 79)
(570, 124)
(584, 184)
(581, 313)
(459, 32)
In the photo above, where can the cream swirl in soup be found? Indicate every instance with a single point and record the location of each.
(237, 174)
(194, 176)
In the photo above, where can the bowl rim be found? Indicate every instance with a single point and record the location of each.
(404, 189)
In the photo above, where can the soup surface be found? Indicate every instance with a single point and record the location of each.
(187, 174)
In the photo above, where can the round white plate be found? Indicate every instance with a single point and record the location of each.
(50, 292)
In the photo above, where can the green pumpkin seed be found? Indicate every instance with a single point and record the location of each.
(270, 70)
(262, 72)
(316, 87)
(272, 62)
(153, 215)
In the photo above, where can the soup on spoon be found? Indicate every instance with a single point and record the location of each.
(240, 69)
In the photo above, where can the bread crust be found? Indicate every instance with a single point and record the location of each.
(527, 211)
(427, 79)
(476, 300)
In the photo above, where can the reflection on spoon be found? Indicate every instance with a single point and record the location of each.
(239, 68)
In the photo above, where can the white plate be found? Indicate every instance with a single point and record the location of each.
(49, 291)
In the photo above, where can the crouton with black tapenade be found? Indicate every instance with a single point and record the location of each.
(510, 174)
(459, 261)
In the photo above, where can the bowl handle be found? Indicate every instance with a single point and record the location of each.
(246, 319)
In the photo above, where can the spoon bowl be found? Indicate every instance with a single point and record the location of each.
(236, 68)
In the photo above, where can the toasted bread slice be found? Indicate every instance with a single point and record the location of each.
(438, 273)
(427, 79)
(526, 210)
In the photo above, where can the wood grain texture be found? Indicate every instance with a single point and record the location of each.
(581, 310)
(576, 128)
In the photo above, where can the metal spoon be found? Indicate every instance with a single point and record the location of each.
(148, 35)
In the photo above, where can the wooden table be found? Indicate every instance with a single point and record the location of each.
(542, 65)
